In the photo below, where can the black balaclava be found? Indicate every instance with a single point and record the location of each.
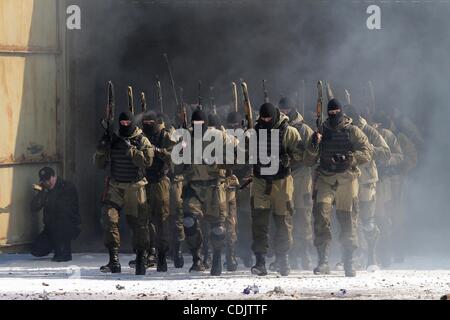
(287, 105)
(351, 112)
(199, 115)
(213, 120)
(234, 120)
(123, 130)
(268, 110)
(150, 129)
(335, 119)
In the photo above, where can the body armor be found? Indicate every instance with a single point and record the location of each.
(122, 167)
(335, 142)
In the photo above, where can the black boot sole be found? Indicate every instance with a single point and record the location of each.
(109, 270)
(178, 264)
(258, 272)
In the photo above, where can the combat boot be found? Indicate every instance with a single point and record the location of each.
(283, 264)
(113, 265)
(140, 262)
(216, 268)
(63, 252)
(231, 259)
(260, 267)
(348, 263)
(178, 259)
(162, 262)
(323, 267)
(151, 258)
(197, 264)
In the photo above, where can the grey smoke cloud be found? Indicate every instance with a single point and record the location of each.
(284, 42)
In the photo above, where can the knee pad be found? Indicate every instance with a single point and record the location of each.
(218, 232)
(190, 224)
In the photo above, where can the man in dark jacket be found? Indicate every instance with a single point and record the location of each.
(62, 221)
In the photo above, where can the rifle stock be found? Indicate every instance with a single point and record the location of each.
(247, 106)
(130, 99)
(319, 106)
(348, 96)
(182, 111)
(143, 103)
(159, 95)
(235, 96)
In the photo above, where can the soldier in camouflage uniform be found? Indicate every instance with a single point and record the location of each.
(127, 153)
(387, 188)
(241, 172)
(367, 183)
(271, 193)
(303, 233)
(341, 148)
(409, 162)
(158, 187)
(204, 199)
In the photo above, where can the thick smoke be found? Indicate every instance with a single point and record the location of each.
(285, 42)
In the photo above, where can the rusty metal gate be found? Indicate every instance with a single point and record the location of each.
(32, 89)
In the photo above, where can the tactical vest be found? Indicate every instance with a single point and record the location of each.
(159, 167)
(122, 167)
(283, 171)
(334, 142)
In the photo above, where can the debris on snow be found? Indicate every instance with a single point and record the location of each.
(119, 287)
(249, 289)
(340, 294)
(276, 290)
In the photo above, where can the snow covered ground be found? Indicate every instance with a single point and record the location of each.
(25, 277)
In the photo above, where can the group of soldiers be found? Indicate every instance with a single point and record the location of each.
(354, 164)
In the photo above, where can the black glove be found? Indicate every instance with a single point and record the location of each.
(339, 158)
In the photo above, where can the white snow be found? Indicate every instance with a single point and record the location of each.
(26, 277)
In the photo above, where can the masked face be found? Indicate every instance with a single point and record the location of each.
(150, 127)
(126, 124)
(335, 117)
(266, 123)
(235, 125)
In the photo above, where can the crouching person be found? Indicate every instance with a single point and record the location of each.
(59, 200)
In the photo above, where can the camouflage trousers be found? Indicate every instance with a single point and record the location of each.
(204, 204)
(341, 191)
(231, 221)
(367, 202)
(272, 199)
(158, 211)
(390, 217)
(176, 228)
(130, 198)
